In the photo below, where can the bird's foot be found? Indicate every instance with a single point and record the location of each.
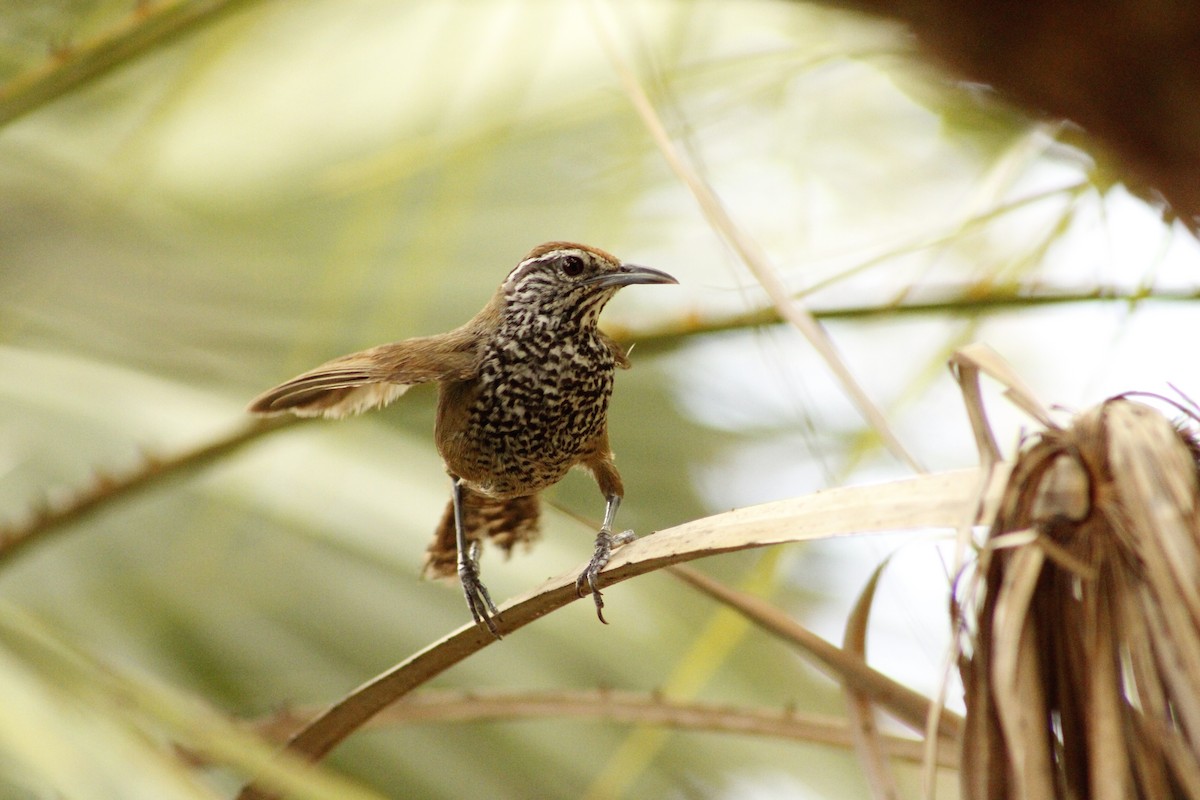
(589, 579)
(478, 599)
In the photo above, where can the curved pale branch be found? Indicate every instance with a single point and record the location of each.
(929, 501)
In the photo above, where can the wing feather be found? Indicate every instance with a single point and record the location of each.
(371, 378)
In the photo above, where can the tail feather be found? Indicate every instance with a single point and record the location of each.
(506, 523)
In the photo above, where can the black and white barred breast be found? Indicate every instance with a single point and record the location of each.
(543, 392)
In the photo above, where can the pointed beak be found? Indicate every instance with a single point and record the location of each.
(630, 274)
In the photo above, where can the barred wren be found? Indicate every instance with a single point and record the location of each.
(524, 389)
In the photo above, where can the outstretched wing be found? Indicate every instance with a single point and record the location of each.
(369, 379)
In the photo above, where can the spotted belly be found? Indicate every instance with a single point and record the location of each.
(533, 419)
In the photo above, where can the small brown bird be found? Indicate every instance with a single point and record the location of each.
(523, 397)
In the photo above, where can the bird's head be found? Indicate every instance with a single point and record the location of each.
(573, 279)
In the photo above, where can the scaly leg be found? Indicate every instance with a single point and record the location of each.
(478, 599)
(606, 542)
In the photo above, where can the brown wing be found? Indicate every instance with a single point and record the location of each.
(360, 381)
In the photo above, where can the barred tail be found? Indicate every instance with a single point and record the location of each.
(505, 522)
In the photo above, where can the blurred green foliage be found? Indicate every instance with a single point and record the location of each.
(271, 184)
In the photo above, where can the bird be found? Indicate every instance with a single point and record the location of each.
(523, 395)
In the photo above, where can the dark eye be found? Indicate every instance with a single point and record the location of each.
(572, 266)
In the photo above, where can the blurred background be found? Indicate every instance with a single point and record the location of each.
(235, 192)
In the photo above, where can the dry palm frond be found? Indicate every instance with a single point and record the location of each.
(1083, 672)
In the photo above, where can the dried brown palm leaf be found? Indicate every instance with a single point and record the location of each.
(868, 739)
(1082, 674)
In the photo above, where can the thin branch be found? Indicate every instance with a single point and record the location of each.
(106, 489)
(148, 25)
(629, 708)
(966, 301)
(655, 336)
(916, 503)
(908, 706)
(750, 253)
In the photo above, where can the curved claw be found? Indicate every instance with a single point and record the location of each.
(590, 578)
(483, 610)
(606, 542)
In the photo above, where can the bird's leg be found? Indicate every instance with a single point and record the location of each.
(478, 599)
(606, 542)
